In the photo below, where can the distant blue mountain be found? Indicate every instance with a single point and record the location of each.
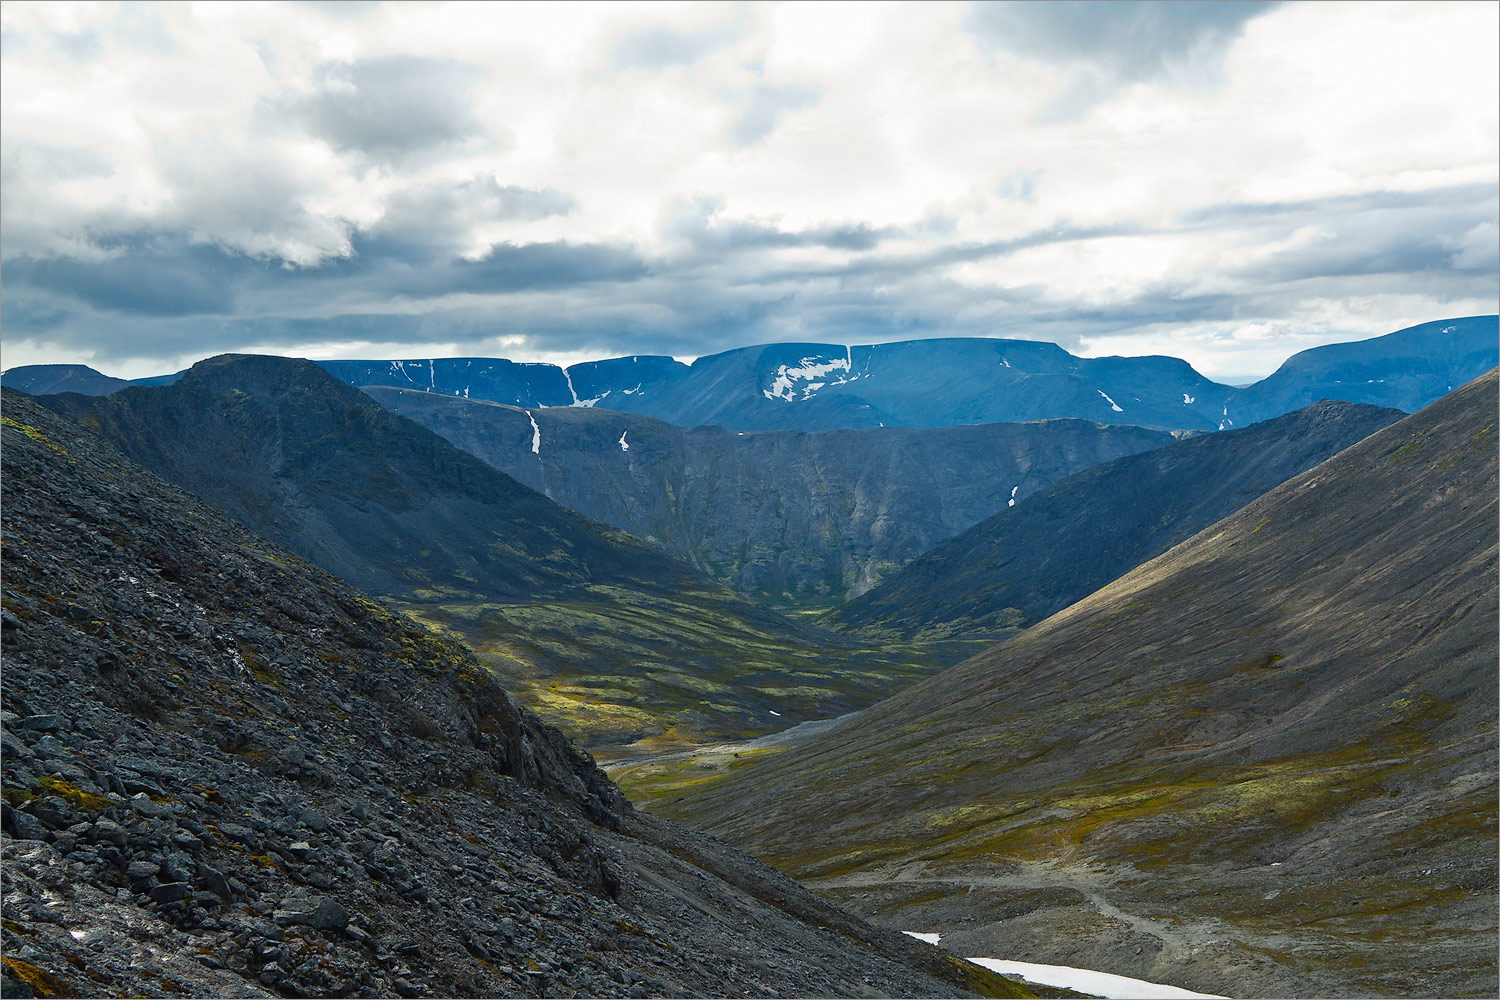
(938, 383)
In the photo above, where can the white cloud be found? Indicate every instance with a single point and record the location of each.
(873, 172)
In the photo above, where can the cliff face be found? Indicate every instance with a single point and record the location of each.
(228, 773)
(784, 517)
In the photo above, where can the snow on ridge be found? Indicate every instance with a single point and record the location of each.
(630, 392)
(589, 402)
(923, 936)
(623, 445)
(813, 372)
(536, 435)
(569, 379)
(1112, 404)
(431, 375)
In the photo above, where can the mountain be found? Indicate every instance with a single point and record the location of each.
(600, 632)
(1406, 370)
(786, 518)
(228, 774)
(42, 379)
(1065, 542)
(947, 382)
(1261, 764)
(922, 383)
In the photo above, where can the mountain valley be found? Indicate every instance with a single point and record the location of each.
(600, 632)
(1255, 765)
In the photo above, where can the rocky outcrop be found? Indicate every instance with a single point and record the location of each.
(783, 517)
(227, 773)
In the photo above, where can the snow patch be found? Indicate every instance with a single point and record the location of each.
(1112, 404)
(567, 377)
(589, 402)
(400, 366)
(631, 392)
(623, 445)
(431, 375)
(1012, 501)
(774, 712)
(1101, 984)
(536, 435)
(1004, 362)
(1188, 400)
(812, 371)
(921, 936)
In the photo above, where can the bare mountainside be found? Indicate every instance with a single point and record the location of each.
(229, 774)
(1262, 764)
(786, 518)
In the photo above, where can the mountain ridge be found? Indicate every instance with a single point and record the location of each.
(948, 381)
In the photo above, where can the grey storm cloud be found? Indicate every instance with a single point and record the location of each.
(390, 109)
(763, 108)
(656, 48)
(1109, 45)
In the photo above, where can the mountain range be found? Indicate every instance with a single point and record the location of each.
(930, 383)
(1262, 763)
(786, 518)
(226, 773)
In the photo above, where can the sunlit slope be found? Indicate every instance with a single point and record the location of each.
(1263, 763)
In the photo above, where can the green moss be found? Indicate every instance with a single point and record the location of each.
(34, 434)
(83, 800)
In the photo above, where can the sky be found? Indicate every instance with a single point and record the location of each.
(1224, 182)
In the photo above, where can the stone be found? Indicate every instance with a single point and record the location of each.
(319, 912)
(171, 892)
(41, 723)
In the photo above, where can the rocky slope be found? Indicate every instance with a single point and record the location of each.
(1262, 764)
(601, 632)
(783, 517)
(228, 774)
(1067, 541)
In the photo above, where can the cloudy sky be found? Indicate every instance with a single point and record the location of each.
(1228, 183)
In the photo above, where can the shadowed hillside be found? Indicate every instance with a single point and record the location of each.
(784, 517)
(1067, 541)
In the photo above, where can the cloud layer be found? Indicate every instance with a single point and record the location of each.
(1228, 183)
